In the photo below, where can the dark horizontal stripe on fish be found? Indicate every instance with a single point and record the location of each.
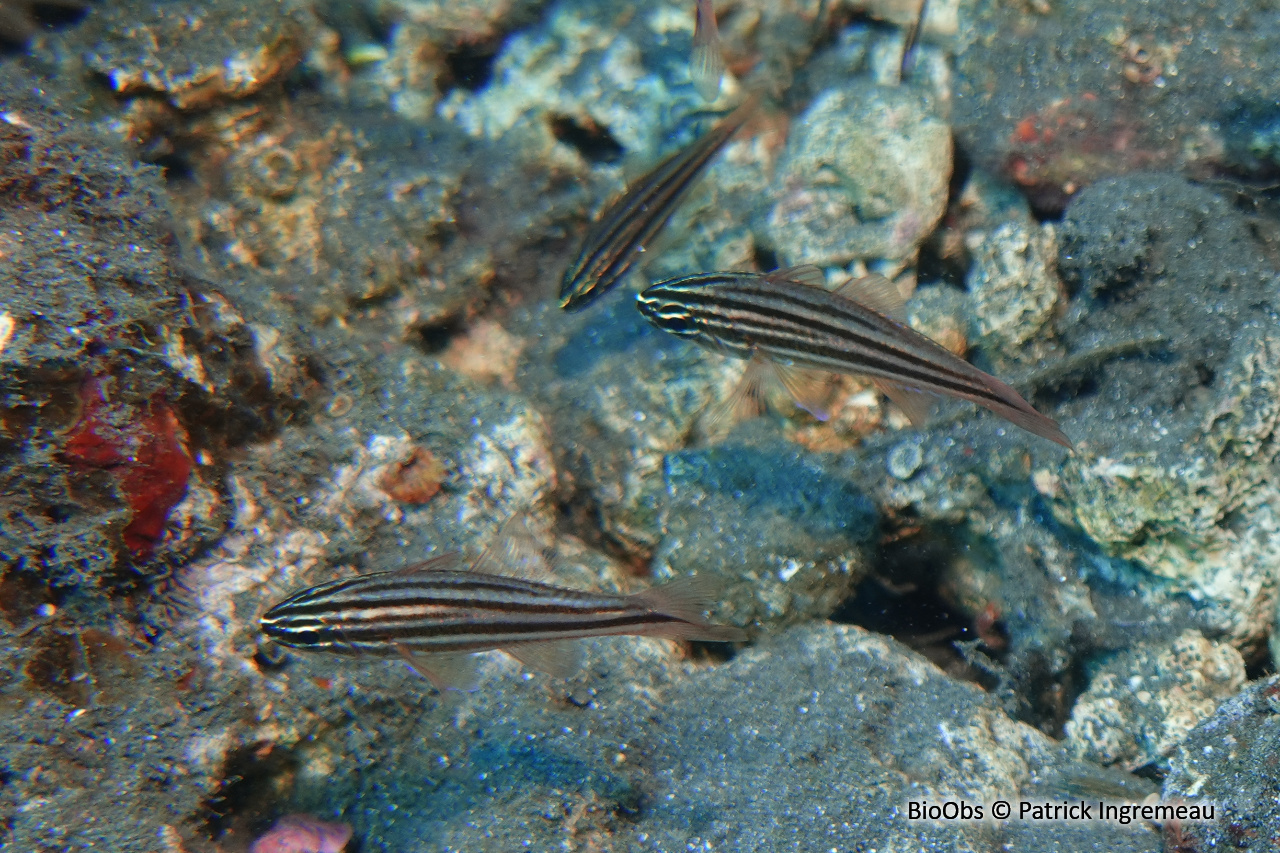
(902, 369)
(763, 305)
(794, 335)
(451, 595)
(384, 609)
(501, 633)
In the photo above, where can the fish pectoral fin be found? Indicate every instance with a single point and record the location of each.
(558, 658)
(445, 670)
(914, 403)
(876, 292)
(808, 389)
(806, 274)
(745, 401)
(706, 66)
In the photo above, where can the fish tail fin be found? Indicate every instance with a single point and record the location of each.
(687, 599)
(1020, 413)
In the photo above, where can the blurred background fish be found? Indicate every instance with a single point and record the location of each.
(628, 225)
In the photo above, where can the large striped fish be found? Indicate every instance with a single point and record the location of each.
(436, 616)
(628, 225)
(789, 319)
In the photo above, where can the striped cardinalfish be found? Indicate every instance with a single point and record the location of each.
(435, 616)
(787, 321)
(627, 226)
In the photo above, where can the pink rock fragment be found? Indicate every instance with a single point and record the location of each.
(299, 833)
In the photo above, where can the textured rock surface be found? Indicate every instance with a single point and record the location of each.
(1056, 96)
(1184, 469)
(1230, 760)
(1143, 702)
(816, 739)
(870, 188)
(357, 353)
(110, 364)
(1013, 285)
(786, 531)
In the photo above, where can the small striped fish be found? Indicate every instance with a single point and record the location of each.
(785, 318)
(435, 617)
(629, 224)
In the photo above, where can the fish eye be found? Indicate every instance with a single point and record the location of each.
(307, 638)
(680, 324)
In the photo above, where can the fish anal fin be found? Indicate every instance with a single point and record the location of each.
(445, 670)
(913, 402)
(806, 274)
(558, 658)
(706, 66)
(876, 292)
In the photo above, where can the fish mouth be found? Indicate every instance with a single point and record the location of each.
(647, 304)
(668, 315)
(574, 295)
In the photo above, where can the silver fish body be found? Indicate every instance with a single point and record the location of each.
(794, 323)
(629, 224)
(443, 611)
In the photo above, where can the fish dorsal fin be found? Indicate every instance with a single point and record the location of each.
(445, 670)
(876, 292)
(441, 563)
(913, 402)
(558, 658)
(806, 274)
(687, 598)
(515, 553)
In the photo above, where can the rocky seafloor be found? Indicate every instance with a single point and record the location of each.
(278, 305)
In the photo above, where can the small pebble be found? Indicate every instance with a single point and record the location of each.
(905, 460)
(303, 834)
